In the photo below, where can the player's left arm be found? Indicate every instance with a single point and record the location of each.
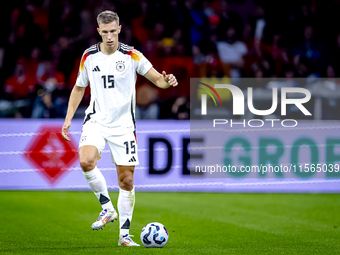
(161, 80)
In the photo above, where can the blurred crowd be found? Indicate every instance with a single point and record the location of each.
(43, 40)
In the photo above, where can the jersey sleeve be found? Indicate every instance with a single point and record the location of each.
(143, 65)
(82, 79)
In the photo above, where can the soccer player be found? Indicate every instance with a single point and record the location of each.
(110, 67)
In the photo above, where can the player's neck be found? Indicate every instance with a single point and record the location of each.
(108, 50)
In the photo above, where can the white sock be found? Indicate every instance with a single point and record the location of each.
(126, 202)
(98, 185)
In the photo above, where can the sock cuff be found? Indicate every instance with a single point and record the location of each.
(126, 193)
(91, 174)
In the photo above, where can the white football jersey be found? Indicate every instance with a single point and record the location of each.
(112, 81)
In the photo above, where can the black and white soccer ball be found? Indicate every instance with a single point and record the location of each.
(154, 235)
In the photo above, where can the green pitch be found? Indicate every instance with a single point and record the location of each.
(59, 223)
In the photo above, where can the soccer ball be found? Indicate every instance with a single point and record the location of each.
(154, 235)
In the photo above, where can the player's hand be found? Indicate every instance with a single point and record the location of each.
(170, 79)
(64, 130)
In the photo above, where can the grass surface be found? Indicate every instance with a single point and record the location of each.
(198, 223)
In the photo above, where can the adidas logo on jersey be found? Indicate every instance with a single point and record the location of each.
(96, 69)
(132, 159)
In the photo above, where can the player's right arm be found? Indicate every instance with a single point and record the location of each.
(73, 103)
(76, 95)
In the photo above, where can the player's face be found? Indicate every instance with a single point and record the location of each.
(109, 33)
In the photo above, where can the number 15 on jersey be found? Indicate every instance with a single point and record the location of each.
(108, 79)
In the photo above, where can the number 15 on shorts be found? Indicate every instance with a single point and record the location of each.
(130, 147)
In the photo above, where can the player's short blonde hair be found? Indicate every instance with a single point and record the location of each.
(107, 17)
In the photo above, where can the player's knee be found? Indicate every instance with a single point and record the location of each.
(87, 164)
(126, 183)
